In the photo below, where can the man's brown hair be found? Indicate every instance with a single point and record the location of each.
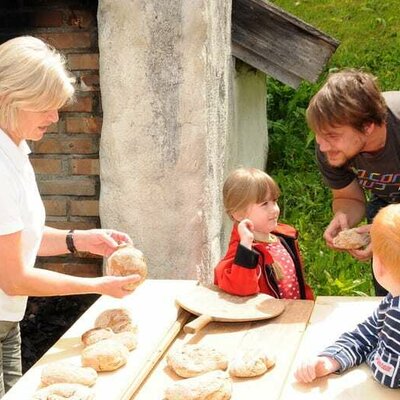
(348, 97)
(385, 238)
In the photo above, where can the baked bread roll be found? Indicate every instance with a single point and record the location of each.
(106, 355)
(127, 260)
(94, 335)
(117, 319)
(250, 362)
(214, 385)
(194, 359)
(61, 372)
(128, 339)
(67, 391)
(350, 239)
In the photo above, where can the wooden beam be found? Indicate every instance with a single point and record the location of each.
(277, 43)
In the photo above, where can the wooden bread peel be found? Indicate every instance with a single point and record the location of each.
(211, 304)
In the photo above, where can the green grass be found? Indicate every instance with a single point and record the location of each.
(369, 32)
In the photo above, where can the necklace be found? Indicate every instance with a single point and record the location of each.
(265, 237)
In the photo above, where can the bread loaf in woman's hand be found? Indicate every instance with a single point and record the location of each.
(127, 260)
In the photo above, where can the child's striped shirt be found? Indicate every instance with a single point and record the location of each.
(376, 341)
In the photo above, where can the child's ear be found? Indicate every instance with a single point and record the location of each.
(238, 215)
(379, 268)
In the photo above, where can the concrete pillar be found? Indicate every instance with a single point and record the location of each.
(176, 119)
(165, 76)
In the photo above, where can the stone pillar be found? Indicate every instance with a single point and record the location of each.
(166, 86)
(247, 143)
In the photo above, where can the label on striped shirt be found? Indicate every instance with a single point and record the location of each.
(383, 366)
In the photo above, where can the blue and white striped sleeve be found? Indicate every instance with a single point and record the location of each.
(385, 361)
(352, 348)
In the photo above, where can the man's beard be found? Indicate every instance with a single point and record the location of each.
(337, 162)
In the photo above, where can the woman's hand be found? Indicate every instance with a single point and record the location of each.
(99, 241)
(115, 286)
(314, 368)
(245, 230)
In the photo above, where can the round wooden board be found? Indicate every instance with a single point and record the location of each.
(221, 306)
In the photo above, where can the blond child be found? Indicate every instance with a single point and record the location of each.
(263, 255)
(376, 340)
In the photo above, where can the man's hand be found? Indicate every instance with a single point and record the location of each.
(314, 368)
(364, 254)
(245, 230)
(338, 224)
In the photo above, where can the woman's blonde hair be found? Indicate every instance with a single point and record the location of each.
(33, 77)
(349, 97)
(385, 238)
(246, 186)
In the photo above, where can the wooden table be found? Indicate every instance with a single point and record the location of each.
(280, 337)
(159, 319)
(332, 316)
(289, 337)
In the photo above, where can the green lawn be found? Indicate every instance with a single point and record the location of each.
(369, 32)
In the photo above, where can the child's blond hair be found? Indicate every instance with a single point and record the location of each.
(245, 186)
(385, 238)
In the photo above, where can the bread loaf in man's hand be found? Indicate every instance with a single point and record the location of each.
(350, 239)
(127, 260)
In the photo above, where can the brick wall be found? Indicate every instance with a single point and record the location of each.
(66, 159)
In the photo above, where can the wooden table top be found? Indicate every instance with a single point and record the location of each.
(159, 320)
(332, 316)
(303, 328)
(279, 336)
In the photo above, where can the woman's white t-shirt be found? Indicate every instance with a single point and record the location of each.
(21, 209)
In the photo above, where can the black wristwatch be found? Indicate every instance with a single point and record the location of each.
(69, 239)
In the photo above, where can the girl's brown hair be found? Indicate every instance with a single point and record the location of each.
(245, 186)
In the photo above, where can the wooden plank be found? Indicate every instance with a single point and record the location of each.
(277, 43)
(159, 320)
(332, 316)
(279, 336)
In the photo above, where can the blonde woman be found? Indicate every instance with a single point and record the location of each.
(34, 85)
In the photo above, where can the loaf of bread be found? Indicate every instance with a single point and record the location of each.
(95, 335)
(194, 359)
(128, 339)
(250, 362)
(127, 260)
(214, 385)
(350, 239)
(62, 372)
(106, 355)
(64, 391)
(117, 319)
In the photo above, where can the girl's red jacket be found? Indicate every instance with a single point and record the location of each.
(245, 272)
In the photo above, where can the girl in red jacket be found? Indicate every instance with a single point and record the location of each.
(263, 255)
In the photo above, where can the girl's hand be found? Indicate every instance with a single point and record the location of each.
(99, 241)
(314, 368)
(245, 230)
